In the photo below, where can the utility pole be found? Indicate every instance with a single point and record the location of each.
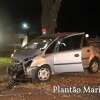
(50, 9)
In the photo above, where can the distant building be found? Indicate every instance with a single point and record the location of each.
(21, 40)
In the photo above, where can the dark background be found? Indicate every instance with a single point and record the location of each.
(79, 15)
(23, 11)
(74, 15)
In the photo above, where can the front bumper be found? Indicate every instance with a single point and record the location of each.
(16, 72)
(31, 72)
(22, 69)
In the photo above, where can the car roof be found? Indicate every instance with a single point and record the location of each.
(56, 35)
(68, 34)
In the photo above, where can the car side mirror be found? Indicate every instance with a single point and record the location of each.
(41, 49)
(63, 44)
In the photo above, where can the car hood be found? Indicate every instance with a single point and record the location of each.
(20, 55)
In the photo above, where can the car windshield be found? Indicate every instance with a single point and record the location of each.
(38, 45)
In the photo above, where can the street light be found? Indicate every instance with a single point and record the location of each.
(87, 35)
(25, 26)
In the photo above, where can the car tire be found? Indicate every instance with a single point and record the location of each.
(43, 73)
(94, 66)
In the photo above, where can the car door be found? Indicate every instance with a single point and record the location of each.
(68, 56)
(49, 54)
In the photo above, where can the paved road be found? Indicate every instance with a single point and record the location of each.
(44, 91)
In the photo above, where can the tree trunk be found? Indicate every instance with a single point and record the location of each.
(50, 10)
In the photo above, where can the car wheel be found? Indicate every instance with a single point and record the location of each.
(94, 66)
(43, 73)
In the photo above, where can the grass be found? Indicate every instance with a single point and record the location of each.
(5, 60)
(4, 63)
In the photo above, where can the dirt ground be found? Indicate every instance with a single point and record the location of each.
(44, 91)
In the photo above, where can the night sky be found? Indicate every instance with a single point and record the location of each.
(23, 11)
(74, 15)
(79, 15)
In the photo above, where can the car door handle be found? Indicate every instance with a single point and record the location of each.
(76, 55)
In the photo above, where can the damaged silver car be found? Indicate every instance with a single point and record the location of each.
(68, 53)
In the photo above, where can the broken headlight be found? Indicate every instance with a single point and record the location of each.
(28, 62)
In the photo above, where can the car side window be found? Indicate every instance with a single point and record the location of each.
(51, 48)
(70, 43)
